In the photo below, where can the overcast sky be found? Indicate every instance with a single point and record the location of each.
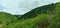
(22, 6)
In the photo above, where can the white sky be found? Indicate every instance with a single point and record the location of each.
(22, 6)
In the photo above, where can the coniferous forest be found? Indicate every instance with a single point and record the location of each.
(47, 16)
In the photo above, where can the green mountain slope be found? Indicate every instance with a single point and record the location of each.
(39, 21)
(35, 18)
(47, 16)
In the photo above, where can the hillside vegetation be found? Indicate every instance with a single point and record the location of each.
(47, 16)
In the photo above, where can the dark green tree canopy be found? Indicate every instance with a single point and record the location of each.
(46, 9)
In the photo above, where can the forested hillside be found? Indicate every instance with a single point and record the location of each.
(47, 16)
(46, 9)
